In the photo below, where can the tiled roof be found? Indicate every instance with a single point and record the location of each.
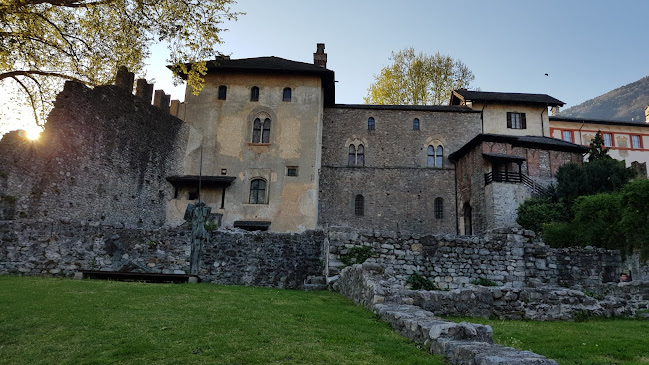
(599, 121)
(546, 143)
(517, 98)
(427, 108)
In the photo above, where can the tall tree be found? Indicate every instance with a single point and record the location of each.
(418, 79)
(597, 150)
(44, 42)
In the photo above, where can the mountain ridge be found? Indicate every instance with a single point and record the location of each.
(626, 103)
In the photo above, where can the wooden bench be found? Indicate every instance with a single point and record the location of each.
(136, 276)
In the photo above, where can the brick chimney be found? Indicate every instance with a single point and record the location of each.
(320, 57)
(555, 111)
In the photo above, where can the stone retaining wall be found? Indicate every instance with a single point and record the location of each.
(245, 258)
(514, 258)
(460, 343)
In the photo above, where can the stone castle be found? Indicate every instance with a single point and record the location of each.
(274, 152)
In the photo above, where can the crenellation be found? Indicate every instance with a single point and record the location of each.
(144, 90)
(124, 79)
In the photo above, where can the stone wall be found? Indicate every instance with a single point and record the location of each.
(243, 258)
(460, 343)
(398, 186)
(514, 258)
(103, 157)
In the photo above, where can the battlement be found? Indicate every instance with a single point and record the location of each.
(124, 79)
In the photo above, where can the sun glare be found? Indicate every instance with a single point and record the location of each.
(32, 134)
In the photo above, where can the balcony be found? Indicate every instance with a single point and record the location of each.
(514, 178)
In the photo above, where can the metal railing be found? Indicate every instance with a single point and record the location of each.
(514, 178)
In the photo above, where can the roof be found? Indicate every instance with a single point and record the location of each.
(427, 108)
(599, 121)
(502, 157)
(461, 96)
(275, 65)
(546, 143)
(206, 181)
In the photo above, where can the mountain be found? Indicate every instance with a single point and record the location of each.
(625, 103)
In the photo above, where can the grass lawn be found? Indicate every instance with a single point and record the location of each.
(595, 341)
(63, 321)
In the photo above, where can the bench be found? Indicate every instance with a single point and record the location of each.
(136, 276)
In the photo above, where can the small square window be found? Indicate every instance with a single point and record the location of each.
(291, 171)
(224, 171)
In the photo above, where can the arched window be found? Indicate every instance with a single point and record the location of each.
(359, 205)
(360, 155)
(351, 159)
(356, 155)
(439, 208)
(439, 157)
(261, 131)
(435, 156)
(371, 124)
(223, 90)
(257, 191)
(415, 124)
(254, 93)
(431, 156)
(286, 94)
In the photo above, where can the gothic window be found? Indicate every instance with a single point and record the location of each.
(415, 124)
(359, 205)
(431, 156)
(435, 156)
(222, 92)
(257, 191)
(261, 131)
(286, 94)
(360, 155)
(439, 208)
(254, 93)
(371, 124)
(356, 155)
(516, 120)
(351, 160)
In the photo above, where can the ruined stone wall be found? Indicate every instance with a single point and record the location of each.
(398, 186)
(512, 258)
(242, 258)
(103, 157)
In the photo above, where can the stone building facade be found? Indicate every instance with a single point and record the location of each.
(266, 147)
(627, 141)
(402, 179)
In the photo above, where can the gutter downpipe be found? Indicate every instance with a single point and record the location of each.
(482, 115)
(457, 217)
(543, 124)
(581, 142)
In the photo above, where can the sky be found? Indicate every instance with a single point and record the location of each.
(587, 48)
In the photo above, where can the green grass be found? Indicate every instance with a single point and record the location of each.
(63, 321)
(595, 341)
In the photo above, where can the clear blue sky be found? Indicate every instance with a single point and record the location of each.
(586, 47)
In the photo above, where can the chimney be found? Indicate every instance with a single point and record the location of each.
(555, 111)
(320, 57)
(646, 114)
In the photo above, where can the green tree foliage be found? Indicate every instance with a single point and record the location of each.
(597, 176)
(536, 212)
(418, 79)
(597, 221)
(597, 150)
(635, 215)
(43, 42)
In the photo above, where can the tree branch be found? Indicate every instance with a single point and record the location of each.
(13, 74)
(31, 98)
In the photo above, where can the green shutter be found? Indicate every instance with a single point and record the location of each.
(509, 119)
(523, 123)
